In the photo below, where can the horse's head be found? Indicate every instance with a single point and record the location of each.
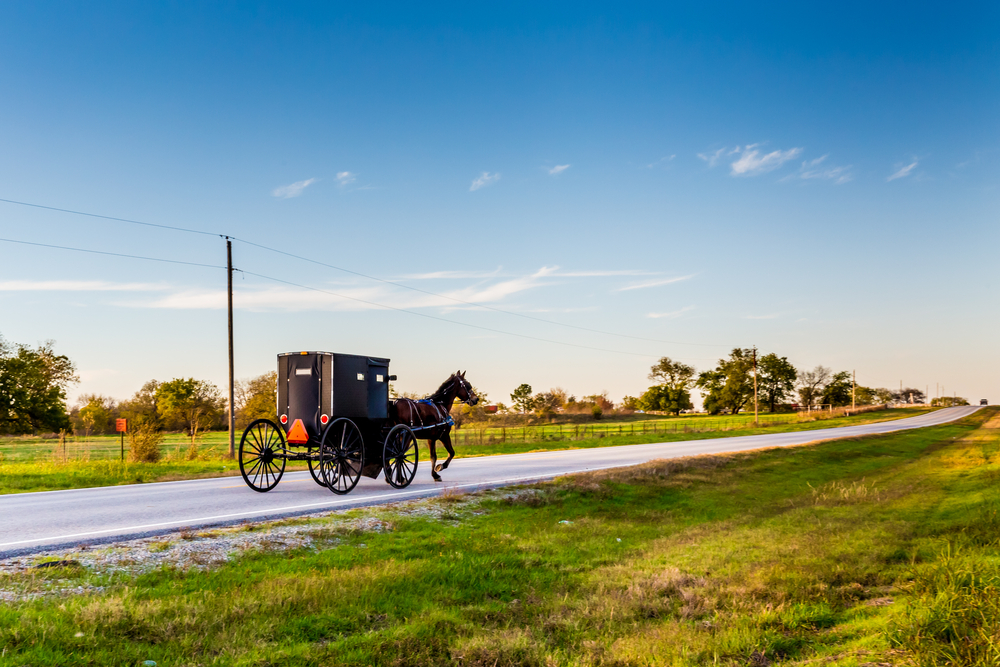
(465, 392)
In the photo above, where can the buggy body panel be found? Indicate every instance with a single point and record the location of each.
(312, 385)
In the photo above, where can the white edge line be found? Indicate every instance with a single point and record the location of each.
(273, 510)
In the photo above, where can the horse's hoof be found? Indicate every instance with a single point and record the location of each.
(437, 478)
(439, 468)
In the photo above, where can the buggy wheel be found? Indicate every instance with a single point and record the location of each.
(314, 470)
(341, 455)
(262, 455)
(399, 456)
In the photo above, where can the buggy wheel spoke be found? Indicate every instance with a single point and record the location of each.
(399, 456)
(261, 447)
(343, 457)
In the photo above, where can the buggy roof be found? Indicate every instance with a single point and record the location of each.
(378, 360)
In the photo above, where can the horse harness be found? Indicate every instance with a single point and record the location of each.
(439, 411)
(445, 418)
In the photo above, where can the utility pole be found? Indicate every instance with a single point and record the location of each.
(232, 388)
(854, 385)
(754, 384)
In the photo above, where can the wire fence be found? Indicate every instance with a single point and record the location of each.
(492, 435)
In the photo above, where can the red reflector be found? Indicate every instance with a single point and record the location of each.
(323, 419)
(283, 419)
(298, 434)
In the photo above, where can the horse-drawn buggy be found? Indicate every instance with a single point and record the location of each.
(334, 412)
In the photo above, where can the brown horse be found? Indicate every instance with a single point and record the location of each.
(430, 417)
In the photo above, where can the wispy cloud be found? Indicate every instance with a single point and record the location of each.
(815, 169)
(713, 158)
(76, 286)
(602, 274)
(655, 283)
(485, 287)
(345, 177)
(293, 190)
(672, 314)
(663, 160)
(485, 179)
(452, 275)
(558, 169)
(555, 272)
(903, 172)
(752, 161)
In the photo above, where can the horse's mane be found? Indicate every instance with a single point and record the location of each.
(439, 394)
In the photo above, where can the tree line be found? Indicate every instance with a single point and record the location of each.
(182, 404)
(34, 382)
(729, 387)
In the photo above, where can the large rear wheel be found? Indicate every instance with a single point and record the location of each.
(341, 456)
(399, 456)
(262, 455)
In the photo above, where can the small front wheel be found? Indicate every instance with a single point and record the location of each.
(341, 456)
(262, 455)
(399, 456)
(314, 469)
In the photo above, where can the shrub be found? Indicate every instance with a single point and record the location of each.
(144, 440)
(597, 412)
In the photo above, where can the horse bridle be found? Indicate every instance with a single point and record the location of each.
(468, 389)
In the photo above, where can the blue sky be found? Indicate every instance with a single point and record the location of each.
(820, 183)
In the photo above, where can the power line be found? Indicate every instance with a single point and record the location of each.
(358, 273)
(108, 217)
(113, 254)
(445, 319)
(338, 295)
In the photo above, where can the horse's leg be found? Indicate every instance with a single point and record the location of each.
(432, 445)
(446, 441)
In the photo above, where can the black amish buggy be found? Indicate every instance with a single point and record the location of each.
(333, 412)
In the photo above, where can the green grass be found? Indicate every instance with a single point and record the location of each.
(865, 551)
(39, 464)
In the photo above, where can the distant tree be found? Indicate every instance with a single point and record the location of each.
(948, 401)
(548, 403)
(631, 403)
(96, 413)
(730, 385)
(811, 384)
(775, 379)
(599, 400)
(671, 394)
(142, 405)
(193, 402)
(522, 399)
(837, 390)
(256, 398)
(910, 395)
(663, 398)
(884, 396)
(865, 396)
(674, 374)
(33, 386)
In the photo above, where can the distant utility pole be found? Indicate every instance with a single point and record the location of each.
(854, 385)
(754, 384)
(232, 387)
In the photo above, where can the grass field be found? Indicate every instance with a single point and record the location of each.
(871, 551)
(36, 464)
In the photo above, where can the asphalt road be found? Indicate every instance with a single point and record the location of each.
(55, 519)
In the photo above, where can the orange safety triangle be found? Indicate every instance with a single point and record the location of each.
(297, 433)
